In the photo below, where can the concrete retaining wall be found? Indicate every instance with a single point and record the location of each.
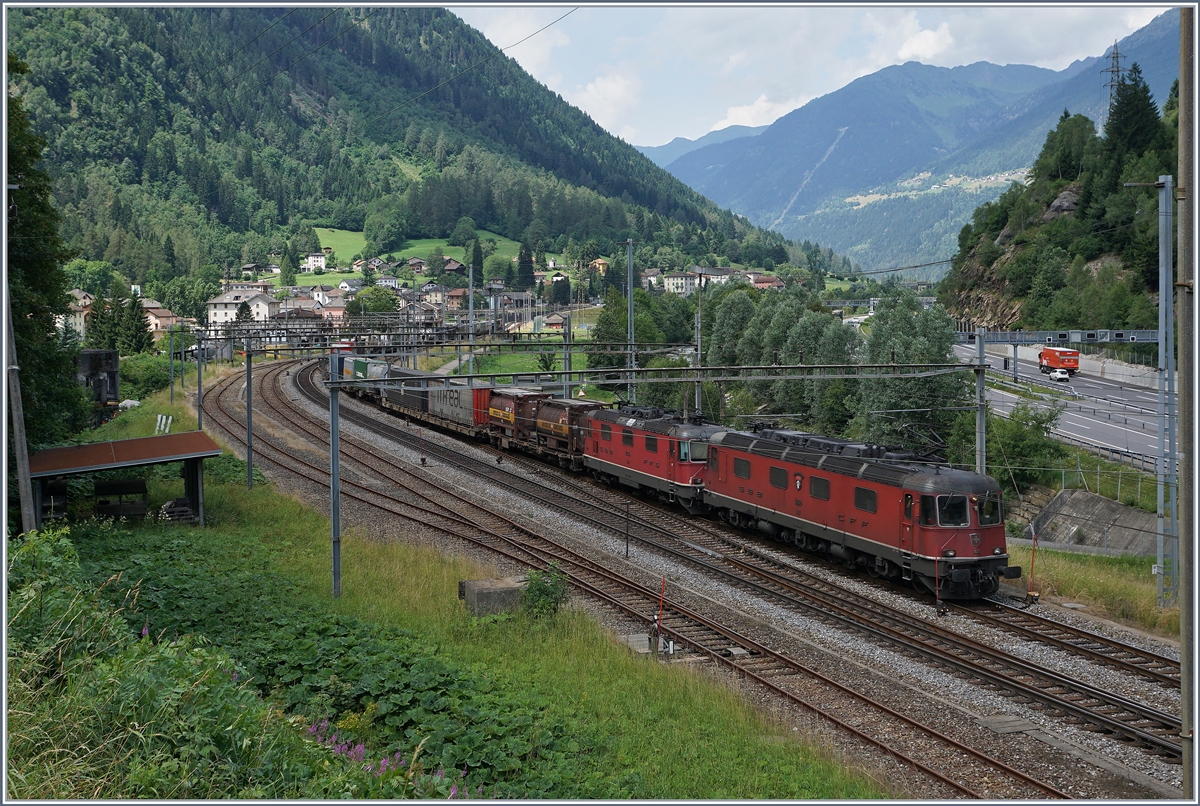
(1077, 518)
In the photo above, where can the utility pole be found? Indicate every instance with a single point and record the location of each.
(1185, 401)
(471, 319)
(567, 356)
(20, 446)
(632, 348)
(199, 381)
(980, 406)
(171, 358)
(699, 359)
(335, 498)
(249, 420)
(1168, 577)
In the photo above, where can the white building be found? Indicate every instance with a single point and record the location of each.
(679, 282)
(314, 261)
(224, 308)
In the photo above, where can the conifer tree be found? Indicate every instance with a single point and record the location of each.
(54, 405)
(1133, 123)
(524, 268)
(477, 261)
(133, 328)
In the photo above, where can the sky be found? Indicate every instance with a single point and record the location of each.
(650, 74)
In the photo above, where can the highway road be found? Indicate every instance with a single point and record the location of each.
(1123, 419)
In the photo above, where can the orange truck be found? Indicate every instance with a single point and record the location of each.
(1058, 358)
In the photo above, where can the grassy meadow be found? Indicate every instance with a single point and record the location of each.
(1119, 588)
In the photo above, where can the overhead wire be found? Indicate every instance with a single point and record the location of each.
(306, 55)
(272, 53)
(414, 99)
(258, 36)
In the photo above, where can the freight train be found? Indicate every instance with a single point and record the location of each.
(866, 506)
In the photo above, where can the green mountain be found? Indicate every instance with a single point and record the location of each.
(180, 140)
(888, 168)
(664, 155)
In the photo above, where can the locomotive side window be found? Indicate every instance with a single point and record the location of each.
(652, 444)
(712, 460)
(741, 468)
(908, 506)
(990, 512)
(779, 478)
(953, 511)
(626, 436)
(683, 451)
(864, 499)
(818, 488)
(605, 431)
(699, 451)
(928, 511)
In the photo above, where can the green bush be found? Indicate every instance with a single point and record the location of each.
(144, 374)
(545, 591)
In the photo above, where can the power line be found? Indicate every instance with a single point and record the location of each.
(272, 53)
(248, 44)
(306, 55)
(372, 121)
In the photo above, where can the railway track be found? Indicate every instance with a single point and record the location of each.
(688, 540)
(443, 507)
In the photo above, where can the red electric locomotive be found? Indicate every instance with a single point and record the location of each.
(865, 506)
(648, 448)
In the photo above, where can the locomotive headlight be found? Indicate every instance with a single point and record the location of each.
(997, 550)
(949, 553)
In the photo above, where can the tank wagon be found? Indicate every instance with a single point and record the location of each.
(867, 506)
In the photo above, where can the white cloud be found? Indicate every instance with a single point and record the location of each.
(759, 113)
(926, 44)
(608, 98)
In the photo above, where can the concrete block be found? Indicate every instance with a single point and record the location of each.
(485, 597)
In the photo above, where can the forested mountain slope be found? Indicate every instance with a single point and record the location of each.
(185, 138)
(1074, 248)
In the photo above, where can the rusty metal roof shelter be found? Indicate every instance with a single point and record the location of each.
(189, 447)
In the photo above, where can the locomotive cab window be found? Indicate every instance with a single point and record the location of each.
(864, 499)
(605, 431)
(684, 453)
(908, 506)
(712, 460)
(928, 515)
(990, 511)
(779, 478)
(626, 436)
(652, 444)
(741, 468)
(699, 450)
(953, 510)
(819, 488)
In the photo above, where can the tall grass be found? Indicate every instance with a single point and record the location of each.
(656, 730)
(1121, 588)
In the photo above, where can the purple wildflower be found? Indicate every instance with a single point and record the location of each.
(453, 791)
(146, 630)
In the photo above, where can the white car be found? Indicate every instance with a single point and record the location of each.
(1060, 375)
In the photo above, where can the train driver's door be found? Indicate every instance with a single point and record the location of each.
(906, 540)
